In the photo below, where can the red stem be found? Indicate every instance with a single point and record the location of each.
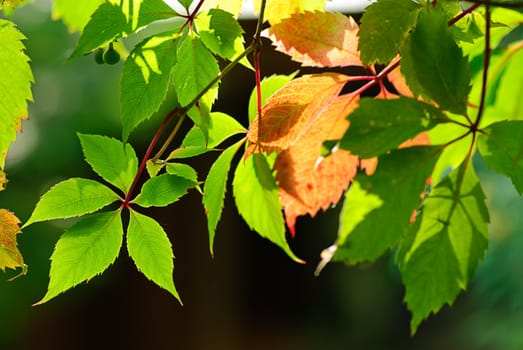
(257, 69)
(463, 14)
(509, 5)
(127, 201)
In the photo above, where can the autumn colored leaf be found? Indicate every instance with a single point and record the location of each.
(318, 39)
(307, 184)
(398, 81)
(10, 256)
(276, 10)
(290, 112)
(3, 180)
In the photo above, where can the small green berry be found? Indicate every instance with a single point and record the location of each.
(111, 56)
(99, 56)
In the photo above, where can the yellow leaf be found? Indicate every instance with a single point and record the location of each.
(3, 180)
(10, 256)
(276, 10)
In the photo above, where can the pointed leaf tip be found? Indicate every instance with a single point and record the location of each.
(256, 197)
(150, 249)
(85, 250)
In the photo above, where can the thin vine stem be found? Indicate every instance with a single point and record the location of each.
(463, 14)
(508, 5)
(126, 202)
(181, 112)
(170, 138)
(486, 63)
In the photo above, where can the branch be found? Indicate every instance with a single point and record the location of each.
(463, 14)
(146, 156)
(508, 5)
(486, 62)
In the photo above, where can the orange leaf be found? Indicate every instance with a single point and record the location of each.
(318, 39)
(289, 113)
(398, 81)
(307, 185)
(9, 254)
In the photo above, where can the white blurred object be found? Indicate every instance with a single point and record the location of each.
(345, 6)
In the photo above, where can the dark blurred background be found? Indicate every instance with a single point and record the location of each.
(250, 296)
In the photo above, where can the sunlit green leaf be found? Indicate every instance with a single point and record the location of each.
(256, 197)
(115, 162)
(515, 35)
(434, 65)
(378, 208)
(71, 198)
(449, 245)
(384, 27)
(378, 125)
(114, 19)
(85, 250)
(75, 14)
(182, 170)
(502, 150)
(221, 127)
(15, 86)
(163, 190)
(214, 189)
(195, 69)
(145, 80)
(221, 33)
(151, 251)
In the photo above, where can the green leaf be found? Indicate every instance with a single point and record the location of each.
(269, 85)
(85, 250)
(515, 35)
(467, 28)
(163, 190)
(378, 125)
(502, 150)
(194, 71)
(385, 26)
(505, 93)
(75, 14)
(221, 127)
(151, 251)
(434, 65)
(200, 114)
(182, 170)
(222, 34)
(456, 149)
(377, 209)
(145, 80)
(115, 162)
(71, 198)
(449, 245)
(15, 85)
(257, 200)
(117, 18)
(214, 190)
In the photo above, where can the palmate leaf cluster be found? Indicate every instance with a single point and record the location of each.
(402, 160)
